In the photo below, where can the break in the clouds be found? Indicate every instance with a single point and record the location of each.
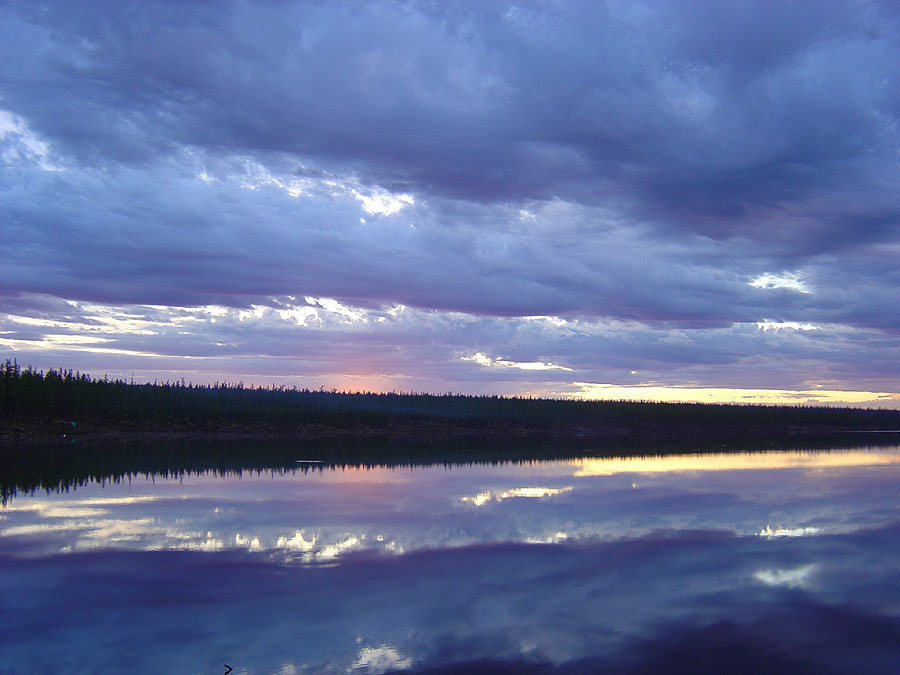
(490, 197)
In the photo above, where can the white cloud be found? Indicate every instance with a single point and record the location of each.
(20, 145)
(792, 281)
(779, 531)
(483, 359)
(378, 660)
(383, 203)
(256, 175)
(255, 312)
(300, 315)
(767, 325)
(333, 306)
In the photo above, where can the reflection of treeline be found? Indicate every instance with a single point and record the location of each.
(29, 396)
(63, 466)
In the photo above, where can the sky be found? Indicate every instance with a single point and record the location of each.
(652, 200)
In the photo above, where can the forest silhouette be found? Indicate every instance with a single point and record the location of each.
(69, 402)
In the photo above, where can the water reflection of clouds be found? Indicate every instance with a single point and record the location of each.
(769, 532)
(828, 599)
(315, 550)
(796, 577)
(316, 516)
(637, 601)
(534, 492)
(378, 660)
(65, 510)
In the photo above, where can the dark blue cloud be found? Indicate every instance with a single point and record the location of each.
(695, 107)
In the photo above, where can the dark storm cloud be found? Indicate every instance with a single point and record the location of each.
(693, 113)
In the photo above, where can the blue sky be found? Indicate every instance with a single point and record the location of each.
(684, 200)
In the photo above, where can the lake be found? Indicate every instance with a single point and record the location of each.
(777, 562)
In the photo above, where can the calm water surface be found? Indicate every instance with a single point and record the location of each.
(763, 562)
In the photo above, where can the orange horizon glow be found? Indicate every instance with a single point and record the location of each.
(362, 377)
(590, 391)
(735, 462)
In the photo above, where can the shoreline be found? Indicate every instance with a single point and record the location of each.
(39, 458)
(419, 431)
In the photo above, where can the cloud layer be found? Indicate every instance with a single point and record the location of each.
(661, 181)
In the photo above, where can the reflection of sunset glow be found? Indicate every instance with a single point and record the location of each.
(733, 462)
(319, 515)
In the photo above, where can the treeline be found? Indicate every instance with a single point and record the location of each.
(29, 396)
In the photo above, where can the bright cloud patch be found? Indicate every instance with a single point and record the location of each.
(333, 306)
(20, 145)
(383, 203)
(789, 280)
(256, 176)
(797, 577)
(314, 550)
(532, 492)
(766, 325)
(484, 360)
(377, 660)
(768, 531)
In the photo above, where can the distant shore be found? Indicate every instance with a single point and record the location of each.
(407, 431)
(60, 453)
(62, 404)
